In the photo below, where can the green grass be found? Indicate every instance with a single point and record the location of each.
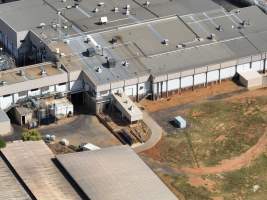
(241, 182)
(189, 192)
(240, 125)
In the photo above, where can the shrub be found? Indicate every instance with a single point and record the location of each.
(2, 143)
(31, 135)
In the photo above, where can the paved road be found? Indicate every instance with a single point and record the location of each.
(156, 135)
(83, 129)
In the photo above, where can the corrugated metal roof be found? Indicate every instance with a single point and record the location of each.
(114, 173)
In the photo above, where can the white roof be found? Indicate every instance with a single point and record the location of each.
(248, 75)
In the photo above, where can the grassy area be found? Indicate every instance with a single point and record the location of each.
(186, 191)
(217, 130)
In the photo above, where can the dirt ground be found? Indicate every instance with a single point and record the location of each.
(222, 155)
(190, 96)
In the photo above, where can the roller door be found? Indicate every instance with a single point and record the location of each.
(257, 66)
(173, 84)
(243, 67)
(227, 73)
(186, 81)
(6, 101)
(213, 76)
(200, 79)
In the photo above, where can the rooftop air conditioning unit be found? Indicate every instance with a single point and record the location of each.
(91, 52)
(111, 62)
(2, 83)
(125, 63)
(127, 12)
(101, 4)
(147, 3)
(69, 6)
(211, 37)
(219, 28)
(127, 7)
(116, 9)
(95, 10)
(98, 70)
(165, 42)
(21, 73)
(180, 46)
(103, 20)
(41, 25)
(43, 72)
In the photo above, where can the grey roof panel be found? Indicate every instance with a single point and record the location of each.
(114, 173)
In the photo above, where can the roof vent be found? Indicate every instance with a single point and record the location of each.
(127, 7)
(111, 62)
(127, 12)
(245, 23)
(125, 63)
(2, 83)
(165, 42)
(69, 6)
(42, 25)
(95, 10)
(116, 9)
(101, 4)
(21, 72)
(211, 37)
(103, 20)
(180, 46)
(63, 1)
(219, 28)
(147, 3)
(43, 72)
(98, 70)
(237, 11)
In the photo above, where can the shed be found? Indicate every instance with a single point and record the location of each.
(251, 79)
(180, 122)
(127, 107)
(5, 126)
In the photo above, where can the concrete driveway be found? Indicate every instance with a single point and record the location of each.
(82, 129)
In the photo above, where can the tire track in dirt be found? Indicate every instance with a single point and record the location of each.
(234, 163)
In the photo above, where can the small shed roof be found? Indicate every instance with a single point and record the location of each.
(250, 75)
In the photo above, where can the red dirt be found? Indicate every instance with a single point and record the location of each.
(189, 96)
(197, 181)
(233, 163)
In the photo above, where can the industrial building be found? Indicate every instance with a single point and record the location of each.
(114, 173)
(138, 48)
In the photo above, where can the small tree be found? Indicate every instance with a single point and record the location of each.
(31, 135)
(2, 143)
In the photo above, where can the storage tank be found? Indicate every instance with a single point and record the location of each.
(42, 113)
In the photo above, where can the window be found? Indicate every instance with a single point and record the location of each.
(45, 89)
(22, 94)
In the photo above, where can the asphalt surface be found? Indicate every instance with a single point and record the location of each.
(83, 129)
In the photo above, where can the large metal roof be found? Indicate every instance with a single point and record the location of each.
(10, 188)
(114, 173)
(32, 161)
